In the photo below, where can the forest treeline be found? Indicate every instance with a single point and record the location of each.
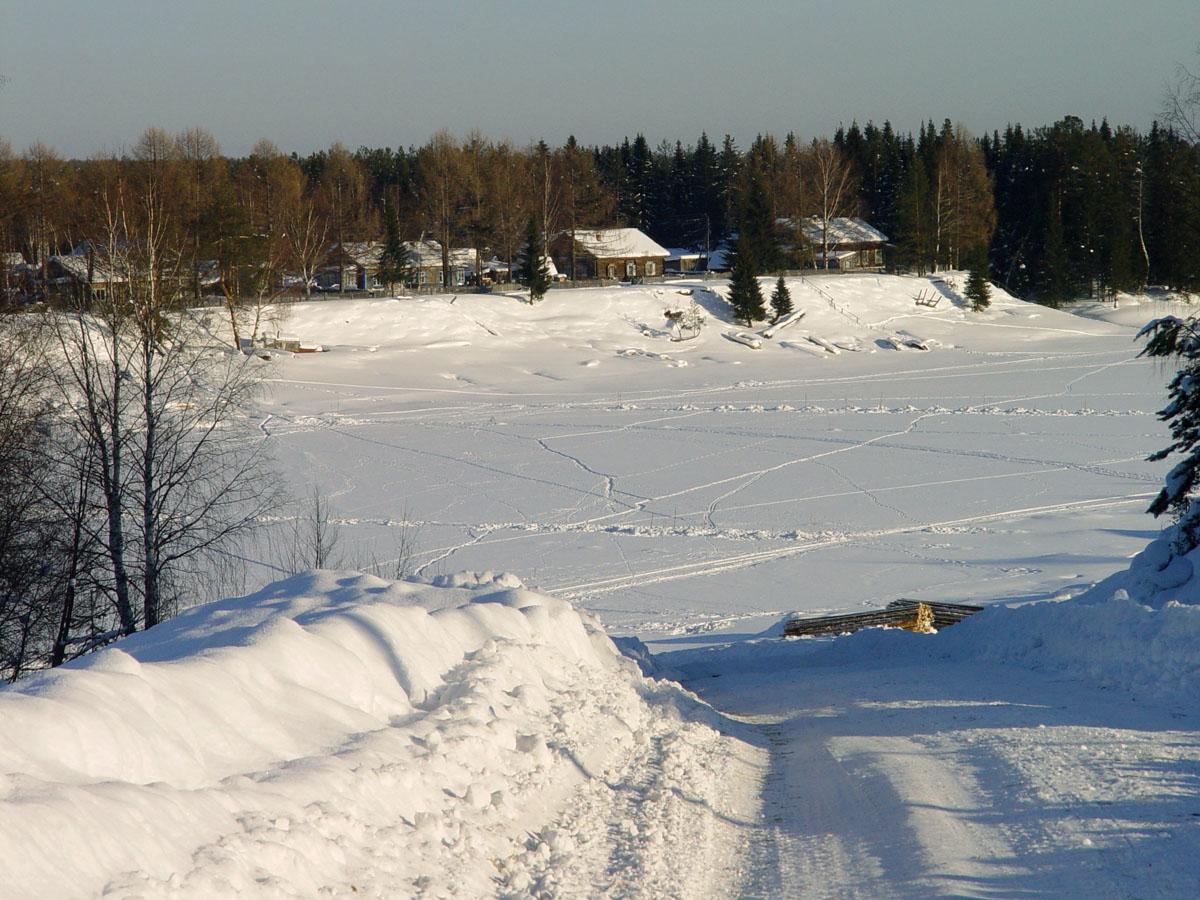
(1064, 210)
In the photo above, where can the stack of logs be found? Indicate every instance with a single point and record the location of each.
(911, 615)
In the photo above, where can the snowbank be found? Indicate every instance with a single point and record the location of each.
(339, 735)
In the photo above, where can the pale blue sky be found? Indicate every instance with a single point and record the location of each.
(88, 76)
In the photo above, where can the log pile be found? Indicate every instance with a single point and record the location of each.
(944, 614)
(911, 615)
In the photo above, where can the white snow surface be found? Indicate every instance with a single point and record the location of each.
(480, 735)
(338, 735)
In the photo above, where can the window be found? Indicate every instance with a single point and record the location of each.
(630, 269)
(650, 269)
(612, 270)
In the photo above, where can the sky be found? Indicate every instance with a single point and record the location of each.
(87, 77)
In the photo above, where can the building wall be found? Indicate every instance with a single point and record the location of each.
(587, 266)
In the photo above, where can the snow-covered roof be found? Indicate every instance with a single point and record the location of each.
(617, 243)
(77, 267)
(842, 230)
(428, 254)
(676, 253)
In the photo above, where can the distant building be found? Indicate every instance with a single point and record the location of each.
(682, 261)
(355, 261)
(82, 278)
(425, 258)
(853, 244)
(618, 254)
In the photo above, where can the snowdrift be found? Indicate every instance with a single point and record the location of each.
(339, 735)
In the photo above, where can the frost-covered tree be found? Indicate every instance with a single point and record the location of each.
(781, 300)
(1179, 338)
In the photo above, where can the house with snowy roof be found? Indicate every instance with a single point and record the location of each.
(621, 254)
(425, 258)
(845, 243)
(83, 278)
(351, 264)
(681, 260)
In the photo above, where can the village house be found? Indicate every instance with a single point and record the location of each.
(425, 258)
(853, 244)
(82, 277)
(623, 254)
(352, 266)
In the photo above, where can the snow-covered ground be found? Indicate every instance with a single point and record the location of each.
(341, 735)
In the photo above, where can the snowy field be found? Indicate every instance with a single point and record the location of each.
(684, 488)
(469, 733)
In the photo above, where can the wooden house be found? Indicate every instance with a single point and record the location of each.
(852, 243)
(618, 254)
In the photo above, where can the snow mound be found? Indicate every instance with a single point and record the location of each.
(339, 735)
(1138, 630)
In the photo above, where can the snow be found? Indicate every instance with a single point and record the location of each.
(335, 734)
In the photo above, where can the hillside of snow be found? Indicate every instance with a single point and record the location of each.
(338, 734)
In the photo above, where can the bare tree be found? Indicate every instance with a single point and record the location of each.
(440, 173)
(44, 188)
(833, 186)
(1181, 105)
(965, 211)
(305, 230)
(26, 622)
(159, 411)
(202, 169)
(508, 173)
(312, 539)
(341, 199)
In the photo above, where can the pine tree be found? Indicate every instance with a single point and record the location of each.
(534, 273)
(745, 295)
(756, 224)
(979, 290)
(781, 300)
(394, 266)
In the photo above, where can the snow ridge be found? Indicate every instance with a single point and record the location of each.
(338, 735)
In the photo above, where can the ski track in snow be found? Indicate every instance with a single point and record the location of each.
(676, 412)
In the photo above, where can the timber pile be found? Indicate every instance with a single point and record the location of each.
(944, 614)
(911, 615)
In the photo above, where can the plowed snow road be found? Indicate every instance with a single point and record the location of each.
(944, 780)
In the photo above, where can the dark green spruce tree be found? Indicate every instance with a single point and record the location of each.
(534, 273)
(394, 266)
(979, 289)
(745, 295)
(781, 300)
(1054, 286)
(1179, 339)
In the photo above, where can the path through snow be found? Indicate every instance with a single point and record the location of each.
(940, 779)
